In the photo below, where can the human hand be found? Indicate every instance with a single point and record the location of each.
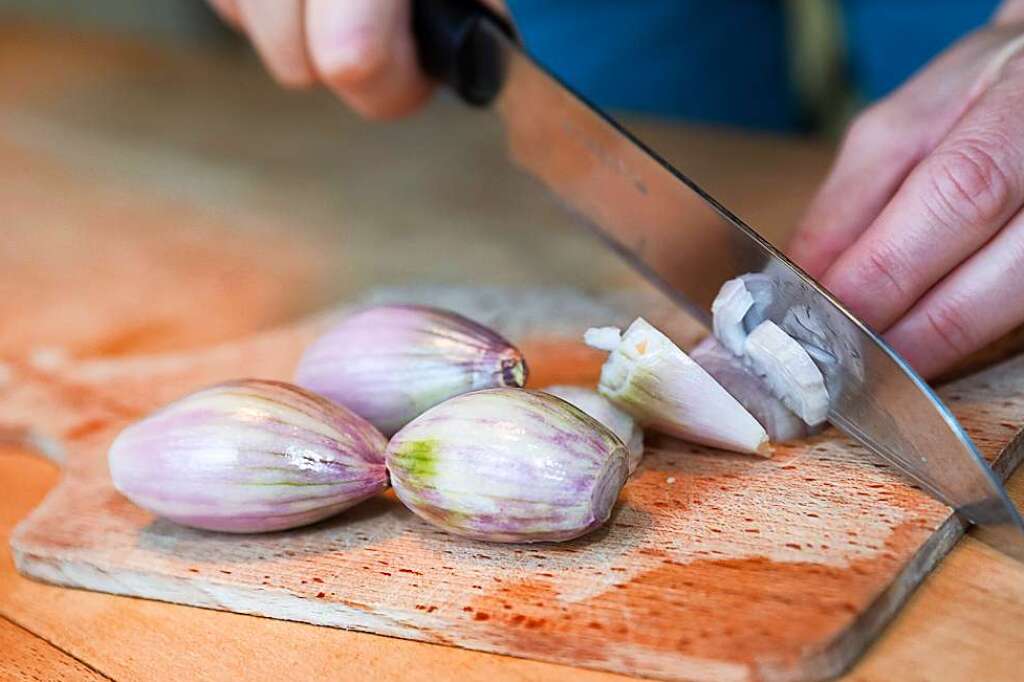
(362, 50)
(919, 227)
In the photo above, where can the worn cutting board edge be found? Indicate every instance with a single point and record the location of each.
(876, 617)
(837, 656)
(834, 656)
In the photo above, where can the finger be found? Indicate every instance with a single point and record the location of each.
(883, 145)
(228, 12)
(949, 206)
(874, 159)
(1010, 11)
(275, 28)
(364, 51)
(499, 6)
(977, 304)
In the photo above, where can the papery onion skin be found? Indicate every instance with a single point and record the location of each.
(508, 465)
(391, 363)
(249, 456)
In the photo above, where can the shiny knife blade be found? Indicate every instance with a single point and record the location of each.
(687, 244)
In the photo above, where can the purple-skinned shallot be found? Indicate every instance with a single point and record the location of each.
(391, 363)
(249, 456)
(508, 465)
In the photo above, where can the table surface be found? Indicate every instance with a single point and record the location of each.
(157, 198)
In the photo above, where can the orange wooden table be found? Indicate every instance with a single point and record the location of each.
(153, 198)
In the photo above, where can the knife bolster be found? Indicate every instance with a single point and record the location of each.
(459, 44)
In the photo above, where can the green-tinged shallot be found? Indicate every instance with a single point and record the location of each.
(602, 409)
(508, 465)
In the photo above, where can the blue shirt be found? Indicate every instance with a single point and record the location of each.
(726, 61)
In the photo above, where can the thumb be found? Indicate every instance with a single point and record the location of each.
(364, 51)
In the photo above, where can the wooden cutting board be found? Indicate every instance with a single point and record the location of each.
(714, 567)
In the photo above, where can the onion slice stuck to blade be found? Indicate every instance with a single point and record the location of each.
(789, 371)
(764, 349)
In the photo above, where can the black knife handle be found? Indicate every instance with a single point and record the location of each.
(456, 44)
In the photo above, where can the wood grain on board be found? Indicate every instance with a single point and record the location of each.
(715, 566)
(30, 659)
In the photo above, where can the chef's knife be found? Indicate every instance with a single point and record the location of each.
(687, 244)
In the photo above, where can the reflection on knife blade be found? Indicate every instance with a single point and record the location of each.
(687, 244)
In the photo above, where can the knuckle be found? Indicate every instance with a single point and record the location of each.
(951, 328)
(293, 78)
(867, 127)
(285, 59)
(878, 122)
(365, 61)
(883, 129)
(872, 283)
(970, 184)
(882, 270)
(814, 239)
